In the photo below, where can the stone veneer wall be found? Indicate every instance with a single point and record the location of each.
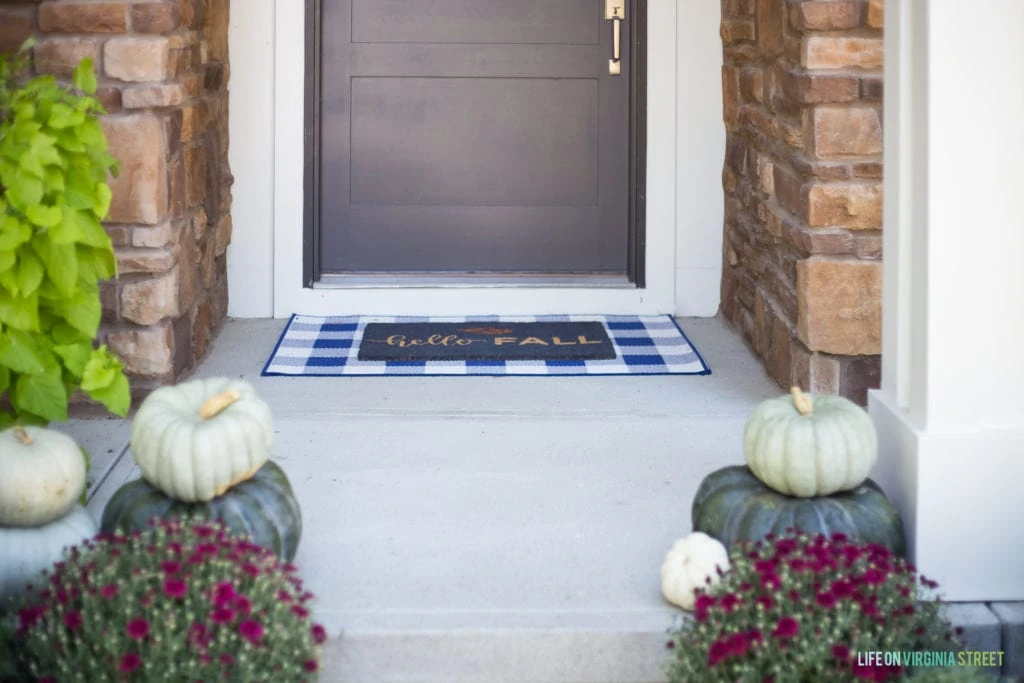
(163, 72)
(803, 181)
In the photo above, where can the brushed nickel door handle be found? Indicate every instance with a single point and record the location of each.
(615, 12)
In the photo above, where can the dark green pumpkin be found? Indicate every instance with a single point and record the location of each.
(732, 505)
(263, 507)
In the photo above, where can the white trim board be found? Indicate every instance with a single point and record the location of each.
(684, 194)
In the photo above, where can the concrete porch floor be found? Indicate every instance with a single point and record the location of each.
(492, 529)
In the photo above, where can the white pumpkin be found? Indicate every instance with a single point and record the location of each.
(688, 565)
(28, 551)
(195, 440)
(806, 446)
(42, 474)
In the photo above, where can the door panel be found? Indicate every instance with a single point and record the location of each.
(465, 142)
(472, 136)
(473, 21)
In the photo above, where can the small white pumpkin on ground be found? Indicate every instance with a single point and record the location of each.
(42, 474)
(688, 565)
(197, 439)
(806, 446)
(28, 551)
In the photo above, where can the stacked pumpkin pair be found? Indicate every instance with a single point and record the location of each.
(42, 476)
(203, 448)
(808, 459)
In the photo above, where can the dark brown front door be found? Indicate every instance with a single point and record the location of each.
(472, 136)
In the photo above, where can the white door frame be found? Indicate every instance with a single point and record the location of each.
(684, 202)
(290, 297)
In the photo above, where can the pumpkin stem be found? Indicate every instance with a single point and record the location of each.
(23, 436)
(802, 403)
(217, 403)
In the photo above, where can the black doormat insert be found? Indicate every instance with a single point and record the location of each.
(486, 341)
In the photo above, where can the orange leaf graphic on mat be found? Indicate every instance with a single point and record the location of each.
(485, 330)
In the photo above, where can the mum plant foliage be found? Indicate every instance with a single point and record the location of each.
(798, 608)
(182, 601)
(53, 248)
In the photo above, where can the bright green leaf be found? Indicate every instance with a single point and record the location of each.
(61, 264)
(25, 191)
(30, 272)
(21, 353)
(96, 264)
(103, 198)
(117, 397)
(62, 116)
(42, 394)
(44, 216)
(30, 163)
(84, 78)
(21, 313)
(99, 371)
(62, 334)
(67, 230)
(75, 356)
(13, 234)
(7, 260)
(82, 312)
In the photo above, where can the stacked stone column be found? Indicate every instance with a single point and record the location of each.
(802, 254)
(163, 71)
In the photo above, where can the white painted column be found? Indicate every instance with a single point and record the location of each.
(950, 411)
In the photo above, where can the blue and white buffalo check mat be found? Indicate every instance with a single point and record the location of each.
(329, 347)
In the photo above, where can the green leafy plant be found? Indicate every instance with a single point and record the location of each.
(800, 608)
(179, 602)
(53, 248)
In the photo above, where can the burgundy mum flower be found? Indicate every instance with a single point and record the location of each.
(826, 599)
(793, 595)
(130, 662)
(841, 652)
(771, 582)
(170, 567)
(226, 659)
(175, 588)
(765, 566)
(311, 665)
(764, 601)
(73, 620)
(203, 531)
(730, 601)
(27, 618)
(251, 569)
(874, 577)
(300, 612)
(223, 592)
(719, 650)
(738, 644)
(842, 588)
(788, 627)
(320, 635)
(137, 628)
(242, 604)
(785, 546)
(222, 615)
(251, 630)
(284, 596)
(207, 549)
(109, 592)
(702, 605)
(198, 634)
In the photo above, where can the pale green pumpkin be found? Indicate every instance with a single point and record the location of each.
(804, 446)
(42, 474)
(195, 440)
(28, 551)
